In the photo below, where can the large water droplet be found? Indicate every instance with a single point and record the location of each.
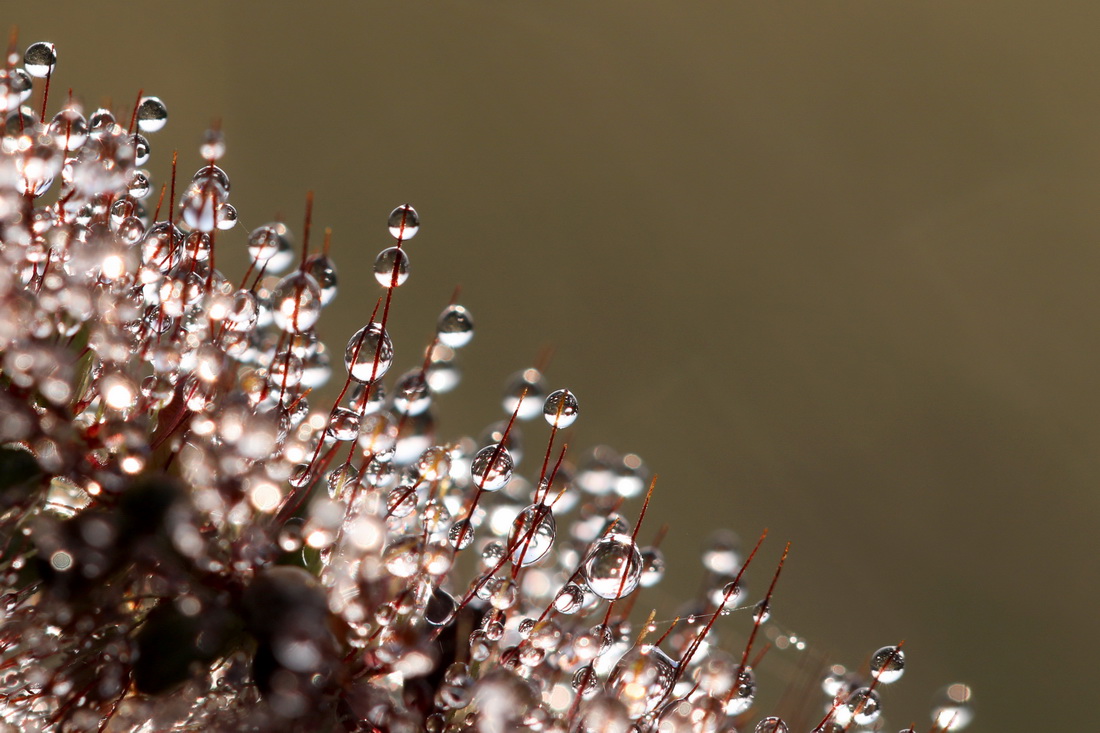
(40, 59)
(385, 264)
(533, 533)
(296, 302)
(561, 408)
(152, 114)
(455, 327)
(369, 354)
(642, 679)
(404, 222)
(887, 664)
(492, 468)
(613, 568)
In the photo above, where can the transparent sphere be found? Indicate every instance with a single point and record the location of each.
(530, 384)
(404, 223)
(152, 114)
(533, 534)
(492, 468)
(40, 59)
(385, 264)
(771, 725)
(455, 327)
(296, 302)
(613, 568)
(863, 705)
(369, 354)
(323, 271)
(269, 246)
(561, 408)
(887, 664)
(642, 679)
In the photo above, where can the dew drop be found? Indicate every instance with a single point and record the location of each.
(561, 408)
(455, 327)
(771, 725)
(385, 264)
(296, 302)
(369, 354)
(530, 380)
(152, 114)
(952, 710)
(40, 59)
(404, 223)
(887, 664)
(613, 568)
(533, 533)
(492, 468)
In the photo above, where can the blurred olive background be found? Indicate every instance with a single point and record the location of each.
(828, 267)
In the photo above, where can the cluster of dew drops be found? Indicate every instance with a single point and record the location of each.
(188, 544)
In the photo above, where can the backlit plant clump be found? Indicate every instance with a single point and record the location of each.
(191, 538)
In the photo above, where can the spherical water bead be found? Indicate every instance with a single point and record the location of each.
(323, 271)
(343, 425)
(269, 246)
(385, 264)
(761, 612)
(367, 399)
(772, 725)
(570, 599)
(642, 679)
(377, 435)
(226, 216)
(561, 408)
(152, 114)
(369, 354)
(529, 384)
(40, 59)
(296, 302)
(411, 395)
(140, 145)
(492, 468)
(461, 534)
(863, 706)
(952, 710)
(613, 568)
(533, 533)
(442, 373)
(455, 326)
(653, 567)
(743, 694)
(70, 129)
(888, 664)
(404, 223)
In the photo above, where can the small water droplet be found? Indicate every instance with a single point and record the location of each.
(561, 408)
(152, 114)
(391, 267)
(40, 59)
(404, 223)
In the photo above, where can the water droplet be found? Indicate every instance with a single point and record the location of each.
(530, 380)
(761, 612)
(887, 664)
(642, 679)
(772, 725)
(491, 468)
(411, 395)
(863, 706)
(653, 567)
(533, 533)
(570, 599)
(561, 408)
(404, 223)
(40, 59)
(455, 326)
(269, 247)
(385, 264)
(296, 302)
(323, 271)
(613, 568)
(369, 354)
(152, 114)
